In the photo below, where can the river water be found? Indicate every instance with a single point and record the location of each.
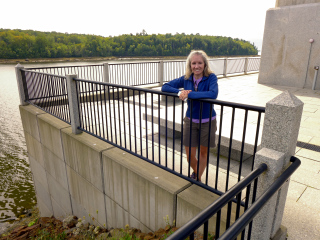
(16, 186)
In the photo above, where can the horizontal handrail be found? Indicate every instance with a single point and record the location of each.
(48, 74)
(247, 217)
(214, 207)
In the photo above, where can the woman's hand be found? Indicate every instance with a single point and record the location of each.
(184, 94)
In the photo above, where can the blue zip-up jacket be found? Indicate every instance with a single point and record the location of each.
(207, 88)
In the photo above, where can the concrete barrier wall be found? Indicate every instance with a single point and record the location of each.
(85, 176)
(291, 45)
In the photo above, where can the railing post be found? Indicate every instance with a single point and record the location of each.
(73, 104)
(21, 87)
(160, 73)
(106, 72)
(225, 67)
(246, 60)
(279, 139)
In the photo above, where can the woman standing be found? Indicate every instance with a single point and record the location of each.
(198, 82)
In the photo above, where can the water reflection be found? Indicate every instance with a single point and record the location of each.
(16, 185)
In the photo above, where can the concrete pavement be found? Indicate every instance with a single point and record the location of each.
(302, 211)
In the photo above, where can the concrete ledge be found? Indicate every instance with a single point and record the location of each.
(147, 192)
(195, 199)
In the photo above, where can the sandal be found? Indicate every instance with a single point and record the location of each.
(194, 176)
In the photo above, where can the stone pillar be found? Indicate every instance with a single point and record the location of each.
(106, 72)
(21, 87)
(279, 139)
(160, 73)
(73, 104)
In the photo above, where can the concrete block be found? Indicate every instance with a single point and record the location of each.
(43, 199)
(55, 167)
(38, 172)
(83, 154)
(44, 209)
(34, 148)
(287, 57)
(58, 211)
(29, 120)
(49, 128)
(60, 195)
(147, 192)
(193, 200)
(88, 196)
(80, 212)
(117, 217)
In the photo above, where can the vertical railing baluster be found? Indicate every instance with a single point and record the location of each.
(152, 126)
(118, 98)
(129, 119)
(230, 148)
(219, 146)
(140, 123)
(124, 119)
(146, 122)
(110, 113)
(166, 140)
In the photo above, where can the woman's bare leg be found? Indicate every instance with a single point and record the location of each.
(192, 158)
(203, 160)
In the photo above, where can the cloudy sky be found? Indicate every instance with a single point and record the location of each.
(232, 18)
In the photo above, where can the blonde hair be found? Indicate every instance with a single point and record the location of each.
(206, 72)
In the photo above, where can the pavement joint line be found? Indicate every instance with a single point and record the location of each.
(302, 193)
(308, 146)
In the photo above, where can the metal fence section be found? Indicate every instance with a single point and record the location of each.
(134, 74)
(149, 124)
(88, 72)
(144, 73)
(235, 65)
(48, 92)
(173, 69)
(253, 64)
(214, 209)
(237, 229)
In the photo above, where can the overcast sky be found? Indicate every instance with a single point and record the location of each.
(231, 18)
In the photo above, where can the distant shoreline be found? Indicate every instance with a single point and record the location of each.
(94, 59)
(81, 59)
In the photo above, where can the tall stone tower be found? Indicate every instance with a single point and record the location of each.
(291, 44)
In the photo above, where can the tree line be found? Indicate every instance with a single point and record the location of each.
(20, 44)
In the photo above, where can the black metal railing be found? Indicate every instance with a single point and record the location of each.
(254, 209)
(214, 209)
(237, 229)
(149, 124)
(48, 92)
